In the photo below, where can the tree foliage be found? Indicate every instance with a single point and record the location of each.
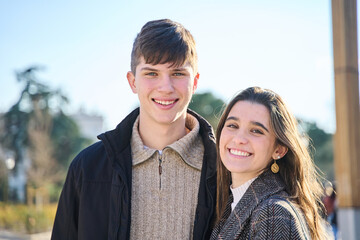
(322, 148)
(36, 126)
(208, 106)
(67, 138)
(34, 95)
(44, 168)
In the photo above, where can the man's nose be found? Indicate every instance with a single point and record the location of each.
(166, 84)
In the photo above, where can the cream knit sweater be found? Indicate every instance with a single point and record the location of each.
(163, 205)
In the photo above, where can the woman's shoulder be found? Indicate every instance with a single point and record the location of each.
(278, 205)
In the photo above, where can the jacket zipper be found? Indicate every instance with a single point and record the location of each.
(160, 169)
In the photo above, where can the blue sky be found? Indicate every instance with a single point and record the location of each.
(85, 48)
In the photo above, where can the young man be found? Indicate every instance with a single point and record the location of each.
(154, 176)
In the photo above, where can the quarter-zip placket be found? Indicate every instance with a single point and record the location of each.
(160, 168)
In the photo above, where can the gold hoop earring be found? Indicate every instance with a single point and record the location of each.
(274, 167)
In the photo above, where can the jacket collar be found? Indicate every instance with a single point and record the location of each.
(266, 185)
(207, 135)
(117, 140)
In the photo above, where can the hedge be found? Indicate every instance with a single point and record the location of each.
(27, 219)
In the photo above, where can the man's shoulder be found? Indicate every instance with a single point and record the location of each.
(90, 152)
(89, 159)
(98, 159)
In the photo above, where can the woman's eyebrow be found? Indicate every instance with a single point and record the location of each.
(232, 118)
(260, 125)
(252, 122)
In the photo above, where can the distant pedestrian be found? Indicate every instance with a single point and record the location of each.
(330, 204)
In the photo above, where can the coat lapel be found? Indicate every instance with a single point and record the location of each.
(264, 186)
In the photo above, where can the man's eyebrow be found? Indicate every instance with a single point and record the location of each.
(148, 69)
(180, 69)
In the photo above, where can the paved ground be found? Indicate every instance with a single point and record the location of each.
(6, 235)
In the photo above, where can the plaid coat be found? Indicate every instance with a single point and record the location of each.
(263, 213)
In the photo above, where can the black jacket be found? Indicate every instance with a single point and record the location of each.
(95, 200)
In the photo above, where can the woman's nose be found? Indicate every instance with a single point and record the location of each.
(241, 137)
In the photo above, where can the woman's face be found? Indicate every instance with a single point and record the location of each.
(247, 142)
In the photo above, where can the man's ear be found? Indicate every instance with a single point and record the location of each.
(196, 79)
(131, 80)
(279, 152)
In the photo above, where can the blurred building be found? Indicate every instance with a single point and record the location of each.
(90, 125)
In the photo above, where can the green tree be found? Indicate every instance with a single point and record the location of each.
(37, 125)
(208, 106)
(322, 150)
(67, 138)
(3, 181)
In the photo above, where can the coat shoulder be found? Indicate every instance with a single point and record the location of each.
(278, 218)
(92, 163)
(88, 154)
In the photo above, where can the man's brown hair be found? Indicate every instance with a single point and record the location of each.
(164, 41)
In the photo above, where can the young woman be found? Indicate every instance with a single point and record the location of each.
(274, 187)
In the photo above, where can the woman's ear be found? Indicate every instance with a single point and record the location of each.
(279, 152)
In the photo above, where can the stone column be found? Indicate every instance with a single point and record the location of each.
(347, 136)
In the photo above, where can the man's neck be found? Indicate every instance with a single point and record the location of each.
(158, 136)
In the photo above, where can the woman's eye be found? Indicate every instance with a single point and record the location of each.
(231, 125)
(178, 74)
(257, 131)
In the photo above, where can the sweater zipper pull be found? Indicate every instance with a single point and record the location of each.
(160, 170)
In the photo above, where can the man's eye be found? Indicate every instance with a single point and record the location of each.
(151, 74)
(178, 74)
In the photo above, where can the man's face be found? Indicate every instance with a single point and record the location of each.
(164, 91)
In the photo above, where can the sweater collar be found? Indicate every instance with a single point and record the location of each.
(191, 140)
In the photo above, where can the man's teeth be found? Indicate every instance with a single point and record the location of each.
(239, 153)
(165, 103)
